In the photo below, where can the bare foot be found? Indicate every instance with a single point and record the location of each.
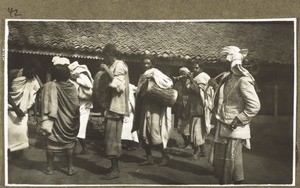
(202, 154)
(107, 170)
(145, 163)
(83, 152)
(71, 172)
(109, 176)
(195, 157)
(48, 171)
(164, 161)
(189, 146)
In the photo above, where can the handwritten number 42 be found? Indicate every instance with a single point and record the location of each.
(13, 12)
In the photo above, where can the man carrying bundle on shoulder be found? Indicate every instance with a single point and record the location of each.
(153, 114)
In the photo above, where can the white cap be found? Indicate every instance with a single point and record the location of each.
(60, 61)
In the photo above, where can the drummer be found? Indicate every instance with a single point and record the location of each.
(152, 120)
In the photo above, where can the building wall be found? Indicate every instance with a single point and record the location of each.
(274, 78)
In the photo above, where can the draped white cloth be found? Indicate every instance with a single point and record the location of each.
(164, 82)
(128, 120)
(206, 94)
(84, 86)
(23, 92)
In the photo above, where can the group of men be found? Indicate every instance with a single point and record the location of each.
(202, 104)
(226, 106)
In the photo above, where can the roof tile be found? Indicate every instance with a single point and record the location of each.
(266, 41)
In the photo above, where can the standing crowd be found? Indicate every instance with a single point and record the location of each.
(142, 113)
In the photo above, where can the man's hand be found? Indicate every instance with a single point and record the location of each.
(74, 76)
(212, 83)
(104, 66)
(19, 112)
(235, 123)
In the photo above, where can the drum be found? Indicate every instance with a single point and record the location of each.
(101, 92)
(165, 97)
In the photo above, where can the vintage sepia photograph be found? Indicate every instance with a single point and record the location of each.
(150, 102)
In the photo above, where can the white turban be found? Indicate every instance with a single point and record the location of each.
(234, 54)
(60, 61)
(184, 70)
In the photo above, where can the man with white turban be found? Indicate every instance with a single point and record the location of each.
(235, 103)
(60, 61)
(59, 114)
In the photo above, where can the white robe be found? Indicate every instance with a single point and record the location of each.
(84, 86)
(128, 120)
(23, 93)
(164, 82)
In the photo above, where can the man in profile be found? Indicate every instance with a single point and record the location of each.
(116, 109)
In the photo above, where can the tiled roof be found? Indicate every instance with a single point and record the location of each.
(267, 42)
